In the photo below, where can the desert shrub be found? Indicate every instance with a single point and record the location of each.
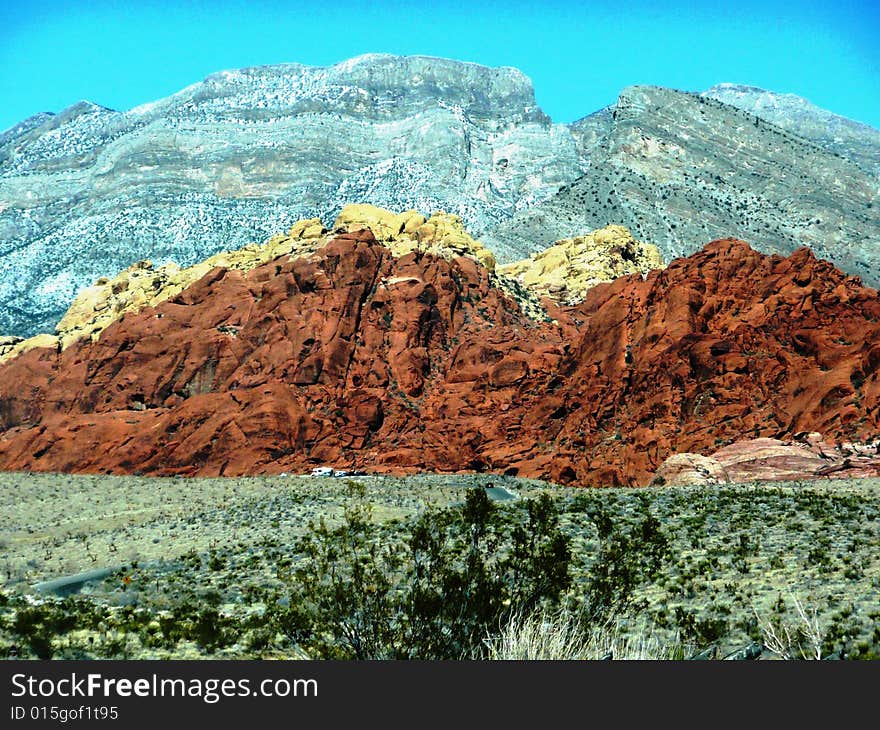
(37, 625)
(802, 637)
(627, 556)
(539, 636)
(205, 625)
(435, 593)
(208, 629)
(700, 630)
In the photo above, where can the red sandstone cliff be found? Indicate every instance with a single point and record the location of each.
(355, 358)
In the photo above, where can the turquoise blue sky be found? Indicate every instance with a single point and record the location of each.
(579, 55)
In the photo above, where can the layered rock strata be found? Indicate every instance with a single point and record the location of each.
(857, 142)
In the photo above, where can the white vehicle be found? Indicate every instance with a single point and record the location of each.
(329, 471)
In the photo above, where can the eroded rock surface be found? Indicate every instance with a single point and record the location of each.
(344, 357)
(143, 284)
(690, 470)
(353, 357)
(807, 456)
(443, 234)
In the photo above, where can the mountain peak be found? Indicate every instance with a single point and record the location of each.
(383, 71)
(725, 86)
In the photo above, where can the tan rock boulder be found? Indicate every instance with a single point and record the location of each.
(690, 470)
(444, 233)
(307, 228)
(808, 456)
(567, 269)
(8, 342)
(769, 459)
(384, 224)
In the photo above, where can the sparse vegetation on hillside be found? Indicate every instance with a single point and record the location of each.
(666, 572)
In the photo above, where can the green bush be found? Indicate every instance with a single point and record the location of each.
(626, 558)
(458, 574)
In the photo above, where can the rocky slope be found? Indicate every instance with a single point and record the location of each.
(679, 169)
(354, 357)
(855, 141)
(242, 154)
(143, 284)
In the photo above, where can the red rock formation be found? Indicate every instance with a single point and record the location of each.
(724, 345)
(354, 358)
(351, 357)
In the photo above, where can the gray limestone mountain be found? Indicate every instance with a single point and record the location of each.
(680, 169)
(857, 142)
(243, 154)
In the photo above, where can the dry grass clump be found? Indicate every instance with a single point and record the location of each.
(563, 635)
(801, 638)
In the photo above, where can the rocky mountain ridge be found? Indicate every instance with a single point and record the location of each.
(678, 169)
(242, 154)
(230, 160)
(857, 142)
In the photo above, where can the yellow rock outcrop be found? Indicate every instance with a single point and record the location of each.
(145, 285)
(443, 234)
(567, 269)
(11, 347)
(385, 225)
